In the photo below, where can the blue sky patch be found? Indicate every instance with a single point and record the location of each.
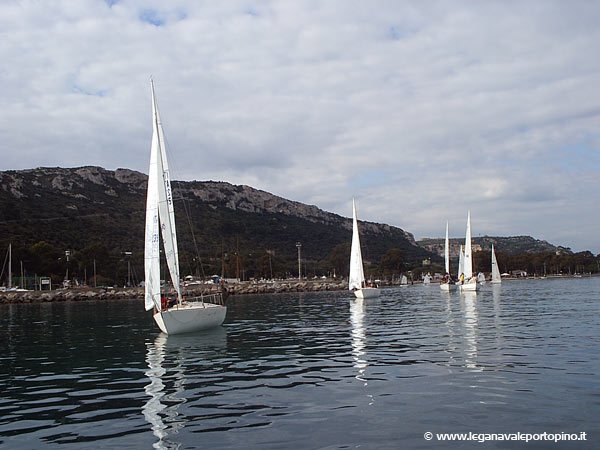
(152, 17)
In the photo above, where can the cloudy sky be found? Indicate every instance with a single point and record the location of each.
(421, 110)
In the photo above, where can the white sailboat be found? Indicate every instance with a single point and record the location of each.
(495, 270)
(356, 280)
(481, 278)
(469, 283)
(427, 279)
(403, 280)
(185, 316)
(447, 284)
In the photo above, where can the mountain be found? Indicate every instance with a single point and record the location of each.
(73, 207)
(513, 245)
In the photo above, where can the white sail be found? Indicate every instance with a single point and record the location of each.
(357, 275)
(495, 270)
(468, 268)
(461, 262)
(447, 251)
(191, 315)
(403, 280)
(152, 238)
(165, 201)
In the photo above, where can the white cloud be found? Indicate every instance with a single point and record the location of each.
(421, 110)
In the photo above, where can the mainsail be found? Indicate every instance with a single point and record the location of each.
(159, 214)
(468, 268)
(495, 270)
(461, 261)
(357, 275)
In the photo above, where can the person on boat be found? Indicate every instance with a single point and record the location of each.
(462, 277)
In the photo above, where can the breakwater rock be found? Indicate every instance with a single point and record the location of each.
(113, 293)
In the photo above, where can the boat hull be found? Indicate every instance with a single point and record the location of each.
(470, 285)
(367, 292)
(447, 287)
(187, 319)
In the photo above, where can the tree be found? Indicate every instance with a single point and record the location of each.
(340, 259)
(392, 262)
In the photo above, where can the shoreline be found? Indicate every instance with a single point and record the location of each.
(197, 290)
(137, 293)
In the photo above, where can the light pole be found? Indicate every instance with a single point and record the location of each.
(299, 246)
(128, 254)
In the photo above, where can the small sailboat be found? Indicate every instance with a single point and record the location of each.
(427, 279)
(356, 280)
(468, 281)
(403, 281)
(481, 278)
(447, 284)
(495, 270)
(185, 315)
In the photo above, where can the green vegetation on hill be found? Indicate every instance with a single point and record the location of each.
(98, 215)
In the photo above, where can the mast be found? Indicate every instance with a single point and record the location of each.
(461, 261)
(447, 252)
(9, 266)
(166, 211)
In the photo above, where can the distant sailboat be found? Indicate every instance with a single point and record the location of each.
(468, 282)
(427, 279)
(186, 315)
(403, 280)
(447, 284)
(356, 280)
(481, 278)
(495, 270)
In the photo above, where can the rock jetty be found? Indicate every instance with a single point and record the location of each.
(112, 293)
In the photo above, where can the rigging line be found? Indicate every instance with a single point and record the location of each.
(4, 265)
(179, 194)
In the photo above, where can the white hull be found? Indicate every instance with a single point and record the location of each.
(367, 292)
(470, 285)
(190, 318)
(495, 281)
(447, 287)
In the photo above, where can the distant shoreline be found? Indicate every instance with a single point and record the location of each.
(241, 288)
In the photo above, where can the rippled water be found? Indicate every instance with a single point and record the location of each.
(307, 370)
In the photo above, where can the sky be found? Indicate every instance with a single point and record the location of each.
(420, 110)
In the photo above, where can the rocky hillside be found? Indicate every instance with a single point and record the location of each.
(70, 208)
(513, 245)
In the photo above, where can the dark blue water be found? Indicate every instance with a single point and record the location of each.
(308, 371)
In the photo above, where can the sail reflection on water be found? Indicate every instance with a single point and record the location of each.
(471, 321)
(168, 359)
(357, 313)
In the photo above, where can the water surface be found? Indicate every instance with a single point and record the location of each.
(310, 370)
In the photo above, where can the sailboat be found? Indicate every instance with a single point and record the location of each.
(447, 284)
(468, 282)
(356, 280)
(495, 270)
(185, 315)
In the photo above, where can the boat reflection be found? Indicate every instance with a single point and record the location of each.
(471, 321)
(357, 314)
(167, 358)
